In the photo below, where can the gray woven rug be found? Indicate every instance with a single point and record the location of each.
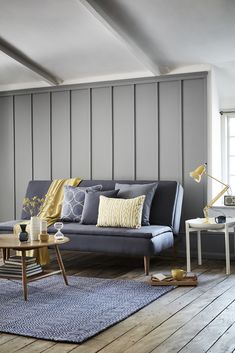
(71, 313)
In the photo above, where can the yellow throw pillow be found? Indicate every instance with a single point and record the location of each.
(120, 212)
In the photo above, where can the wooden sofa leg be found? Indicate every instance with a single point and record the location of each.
(146, 265)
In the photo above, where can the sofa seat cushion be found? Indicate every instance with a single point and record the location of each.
(8, 226)
(146, 232)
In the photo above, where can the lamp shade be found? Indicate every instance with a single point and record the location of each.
(198, 172)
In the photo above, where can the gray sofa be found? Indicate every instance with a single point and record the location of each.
(147, 241)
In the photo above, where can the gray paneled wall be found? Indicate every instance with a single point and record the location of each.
(7, 184)
(141, 129)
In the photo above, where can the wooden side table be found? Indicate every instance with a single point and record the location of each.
(11, 241)
(197, 225)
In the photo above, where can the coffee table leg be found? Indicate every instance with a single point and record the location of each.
(24, 277)
(60, 262)
(3, 255)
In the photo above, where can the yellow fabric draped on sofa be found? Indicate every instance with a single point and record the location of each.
(50, 212)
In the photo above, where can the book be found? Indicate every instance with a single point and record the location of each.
(17, 260)
(14, 275)
(13, 267)
(19, 266)
(6, 268)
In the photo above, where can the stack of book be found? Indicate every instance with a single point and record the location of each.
(13, 267)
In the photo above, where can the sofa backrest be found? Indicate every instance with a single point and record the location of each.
(166, 205)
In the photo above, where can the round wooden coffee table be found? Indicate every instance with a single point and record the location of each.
(11, 241)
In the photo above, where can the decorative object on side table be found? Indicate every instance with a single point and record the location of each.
(43, 236)
(32, 207)
(34, 228)
(23, 235)
(196, 175)
(58, 235)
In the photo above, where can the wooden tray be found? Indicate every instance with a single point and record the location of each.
(187, 281)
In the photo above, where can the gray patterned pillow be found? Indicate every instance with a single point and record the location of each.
(74, 201)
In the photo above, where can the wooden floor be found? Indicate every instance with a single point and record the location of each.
(194, 320)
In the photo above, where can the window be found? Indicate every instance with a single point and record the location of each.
(228, 149)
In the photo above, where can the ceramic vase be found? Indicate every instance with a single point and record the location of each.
(23, 235)
(34, 228)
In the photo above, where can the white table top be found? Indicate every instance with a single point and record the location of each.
(199, 223)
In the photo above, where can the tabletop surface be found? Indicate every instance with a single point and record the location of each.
(200, 223)
(11, 241)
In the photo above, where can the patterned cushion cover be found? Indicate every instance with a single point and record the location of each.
(73, 202)
(120, 212)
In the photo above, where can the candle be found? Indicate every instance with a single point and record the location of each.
(43, 227)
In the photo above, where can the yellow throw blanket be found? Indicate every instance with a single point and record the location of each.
(50, 212)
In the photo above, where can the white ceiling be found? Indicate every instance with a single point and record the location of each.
(113, 39)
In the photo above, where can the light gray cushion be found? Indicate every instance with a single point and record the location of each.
(91, 205)
(74, 201)
(149, 240)
(146, 232)
(128, 191)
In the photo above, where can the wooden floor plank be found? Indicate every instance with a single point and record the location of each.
(37, 346)
(226, 343)
(4, 337)
(15, 344)
(160, 324)
(209, 307)
(208, 336)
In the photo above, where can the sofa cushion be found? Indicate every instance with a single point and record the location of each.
(146, 232)
(125, 213)
(91, 205)
(127, 191)
(166, 205)
(8, 226)
(73, 202)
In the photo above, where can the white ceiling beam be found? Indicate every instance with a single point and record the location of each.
(17, 55)
(117, 31)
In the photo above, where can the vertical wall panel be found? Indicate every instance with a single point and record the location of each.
(23, 148)
(194, 116)
(123, 119)
(80, 133)
(170, 131)
(6, 159)
(60, 135)
(146, 131)
(101, 133)
(41, 136)
(112, 136)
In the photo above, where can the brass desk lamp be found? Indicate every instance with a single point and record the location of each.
(196, 175)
